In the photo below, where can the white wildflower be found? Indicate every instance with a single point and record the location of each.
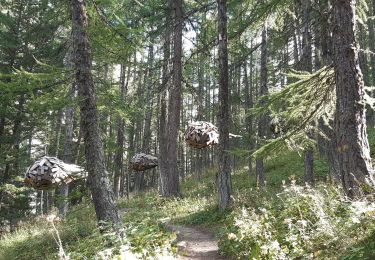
(232, 236)
(355, 220)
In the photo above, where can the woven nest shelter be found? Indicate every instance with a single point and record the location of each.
(49, 172)
(277, 126)
(142, 162)
(202, 134)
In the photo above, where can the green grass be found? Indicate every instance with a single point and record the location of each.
(146, 213)
(363, 249)
(35, 240)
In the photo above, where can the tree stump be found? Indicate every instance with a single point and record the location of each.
(49, 172)
(142, 162)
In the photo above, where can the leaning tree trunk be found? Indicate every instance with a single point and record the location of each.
(170, 186)
(263, 120)
(224, 177)
(352, 147)
(98, 180)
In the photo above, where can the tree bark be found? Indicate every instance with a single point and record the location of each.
(98, 180)
(263, 120)
(120, 139)
(352, 147)
(306, 65)
(68, 154)
(170, 186)
(249, 104)
(224, 177)
(372, 43)
(139, 180)
(163, 164)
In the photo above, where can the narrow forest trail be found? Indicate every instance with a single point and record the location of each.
(194, 243)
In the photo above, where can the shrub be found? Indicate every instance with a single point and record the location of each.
(300, 222)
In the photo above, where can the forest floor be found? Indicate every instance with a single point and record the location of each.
(192, 227)
(195, 243)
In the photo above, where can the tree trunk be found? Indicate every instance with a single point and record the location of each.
(139, 180)
(118, 176)
(306, 65)
(249, 119)
(352, 147)
(263, 120)
(98, 180)
(372, 43)
(163, 164)
(170, 186)
(68, 154)
(224, 177)
(363, 62)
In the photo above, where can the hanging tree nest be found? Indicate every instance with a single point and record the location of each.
(49, 172)
(142, 162)
(202, 134)
(277, 126)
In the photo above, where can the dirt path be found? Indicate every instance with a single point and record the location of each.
(195, 244)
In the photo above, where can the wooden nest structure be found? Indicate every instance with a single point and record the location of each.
(277, 126)
(201, 134)
(49, 172)
(141, 162)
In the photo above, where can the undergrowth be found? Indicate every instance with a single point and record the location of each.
(284, 220)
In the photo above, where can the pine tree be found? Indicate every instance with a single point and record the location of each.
(98, 180)
(224, 177)
(170, 186)
(263, 91)
(352, 148)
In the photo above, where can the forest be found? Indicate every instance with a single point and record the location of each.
(187, 129)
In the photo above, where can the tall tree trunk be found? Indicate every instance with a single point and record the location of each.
(120, 135)
(371, 46)
(68, 153)
(263, 120)
(162, 135)
(170, 186)
(323, 57)
(363, 62)
(139, 180)
(249, 104)
(224, 177)
(98, 180)
(60, 115)
(306, 65)
(372, 42)
(352, 147)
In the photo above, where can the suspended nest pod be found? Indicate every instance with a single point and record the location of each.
(201, 134)
(277, 126)
(49, 172)
(142, 162)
